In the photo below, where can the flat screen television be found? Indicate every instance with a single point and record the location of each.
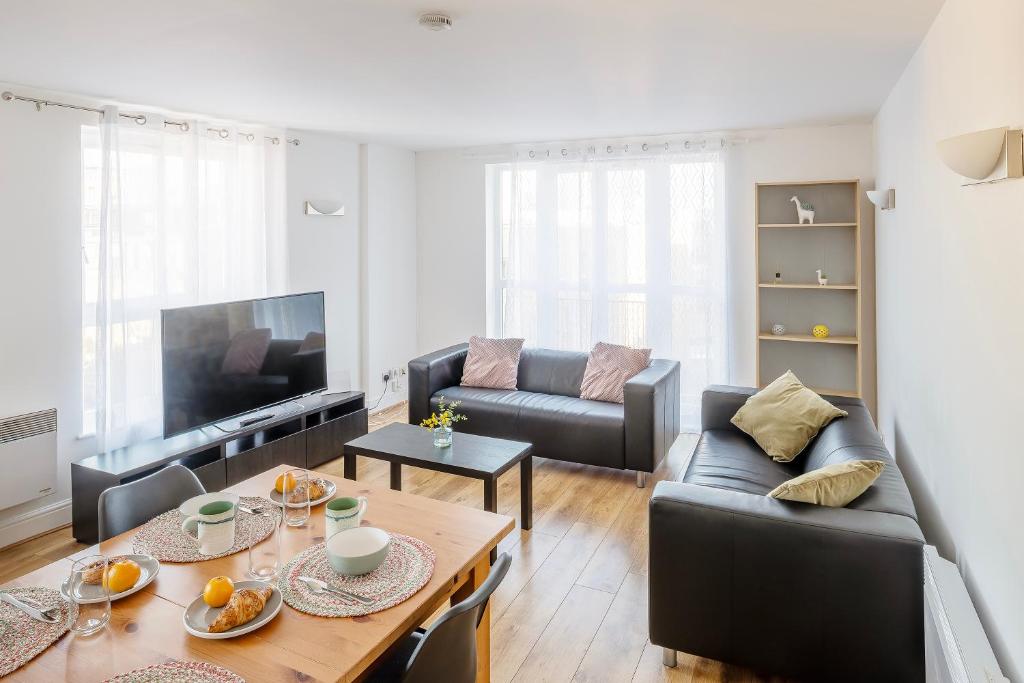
(224, 360)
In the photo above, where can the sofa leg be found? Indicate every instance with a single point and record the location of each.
(641, 479)
(668, 657)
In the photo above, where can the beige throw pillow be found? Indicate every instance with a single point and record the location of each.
(834, 485)
(784, 416)
(492, 363)
(609, 367)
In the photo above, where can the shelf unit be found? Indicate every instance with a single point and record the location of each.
(832, 365)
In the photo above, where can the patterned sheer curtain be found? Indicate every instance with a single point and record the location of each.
(169, 218)
(624, 250)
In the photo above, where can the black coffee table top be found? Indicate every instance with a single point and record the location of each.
(469, 455)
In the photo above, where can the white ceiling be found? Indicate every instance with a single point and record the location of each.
(510, 70)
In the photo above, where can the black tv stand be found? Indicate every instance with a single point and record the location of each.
(304, 438)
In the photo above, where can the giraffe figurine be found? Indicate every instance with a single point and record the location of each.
(803, 211)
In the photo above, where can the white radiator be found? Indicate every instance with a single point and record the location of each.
(28, 457)
(956, 648)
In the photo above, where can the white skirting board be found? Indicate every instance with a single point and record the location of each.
(956, 647)
(39, 521)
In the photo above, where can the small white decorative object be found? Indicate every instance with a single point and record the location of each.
(804, 211)
(822, 280)
(778, 329)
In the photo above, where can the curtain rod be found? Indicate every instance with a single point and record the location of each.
(140, 119)
(608, 148)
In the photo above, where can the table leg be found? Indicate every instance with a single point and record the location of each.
(350, 465)
(477, 576)
(526, 492)
(491, 504)
(396, 476)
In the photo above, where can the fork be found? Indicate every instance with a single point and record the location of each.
(48, 612)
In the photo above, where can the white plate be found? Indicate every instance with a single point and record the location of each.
(328, 494)
(198, 616)
(91, 593)
(191, 506)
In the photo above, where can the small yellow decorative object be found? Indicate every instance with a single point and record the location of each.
(820, 331)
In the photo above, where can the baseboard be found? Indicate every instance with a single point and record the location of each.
(35, 522)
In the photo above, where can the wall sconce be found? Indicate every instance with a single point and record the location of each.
(883, 199)
(311, 210)
(985, 156)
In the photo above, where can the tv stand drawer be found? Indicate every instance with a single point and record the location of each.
(326, 441)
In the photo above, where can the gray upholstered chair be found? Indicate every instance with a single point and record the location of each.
(447, 650)
(127, 506)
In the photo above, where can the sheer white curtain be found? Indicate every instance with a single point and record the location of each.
(170, 218)
(625, 250)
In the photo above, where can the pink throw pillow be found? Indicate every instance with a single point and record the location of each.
(492, 363)
(247, 352)
(608, 368)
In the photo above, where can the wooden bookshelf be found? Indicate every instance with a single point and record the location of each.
(831, 365)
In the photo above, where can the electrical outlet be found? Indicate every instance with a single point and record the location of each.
(385, 376)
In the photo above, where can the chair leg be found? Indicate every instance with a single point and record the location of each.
(641, 479)
(668, 657)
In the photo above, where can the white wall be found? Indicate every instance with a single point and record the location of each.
(389, 267)
(452, 236)
(41, 277)
(949, 308)
(324, 251)
(40, 292)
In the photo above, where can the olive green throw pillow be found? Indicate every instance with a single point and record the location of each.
(833, 485)
(784, 416)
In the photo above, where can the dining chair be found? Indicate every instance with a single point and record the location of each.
(447, 650)
(129, 505)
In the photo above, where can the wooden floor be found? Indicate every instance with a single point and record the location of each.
(574, 604)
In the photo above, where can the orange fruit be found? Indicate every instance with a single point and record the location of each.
(121, 575)
(218, 591)
(285, 483)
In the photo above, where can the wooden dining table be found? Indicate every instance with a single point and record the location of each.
(146, 628)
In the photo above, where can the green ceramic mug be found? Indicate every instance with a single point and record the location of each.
(213, 527)
(343, 513)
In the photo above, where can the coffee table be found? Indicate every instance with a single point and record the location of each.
(479, 457)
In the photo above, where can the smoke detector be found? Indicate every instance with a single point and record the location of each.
(435, 21)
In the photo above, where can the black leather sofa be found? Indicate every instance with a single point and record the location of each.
(792, 589)
(547, 411)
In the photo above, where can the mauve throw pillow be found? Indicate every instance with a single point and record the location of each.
(609, 367)
(492, 363)
(247, 352)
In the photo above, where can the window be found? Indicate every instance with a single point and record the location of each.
(626, 251)
(189, 219)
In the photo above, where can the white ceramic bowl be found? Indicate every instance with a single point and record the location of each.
(358, 551)
(191, 506)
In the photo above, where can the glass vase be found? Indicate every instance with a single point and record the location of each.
(442, 437)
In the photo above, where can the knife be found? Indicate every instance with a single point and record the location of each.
(27, 609)
(317, 585)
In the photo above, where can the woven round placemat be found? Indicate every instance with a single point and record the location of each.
(407, 568)
(21, 636)
(177, 671)
(163, 538)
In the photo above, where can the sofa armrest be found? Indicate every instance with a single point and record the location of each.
(651, 414)
(786, 587)
(719, 403)
(429, 374)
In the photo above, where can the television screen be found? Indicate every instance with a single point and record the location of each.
(223, 360)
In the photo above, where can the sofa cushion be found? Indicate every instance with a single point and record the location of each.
(785, 416)
(492, 363)
(833, 485)
(609, 367)
(559, 427)
(727, 459)
(546, 371)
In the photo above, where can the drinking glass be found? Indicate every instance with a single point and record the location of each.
(265, 558)
(296, 507)
(93, 599)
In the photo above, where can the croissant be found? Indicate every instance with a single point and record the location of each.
(244, 606)
(317, 489)
(94, 572)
